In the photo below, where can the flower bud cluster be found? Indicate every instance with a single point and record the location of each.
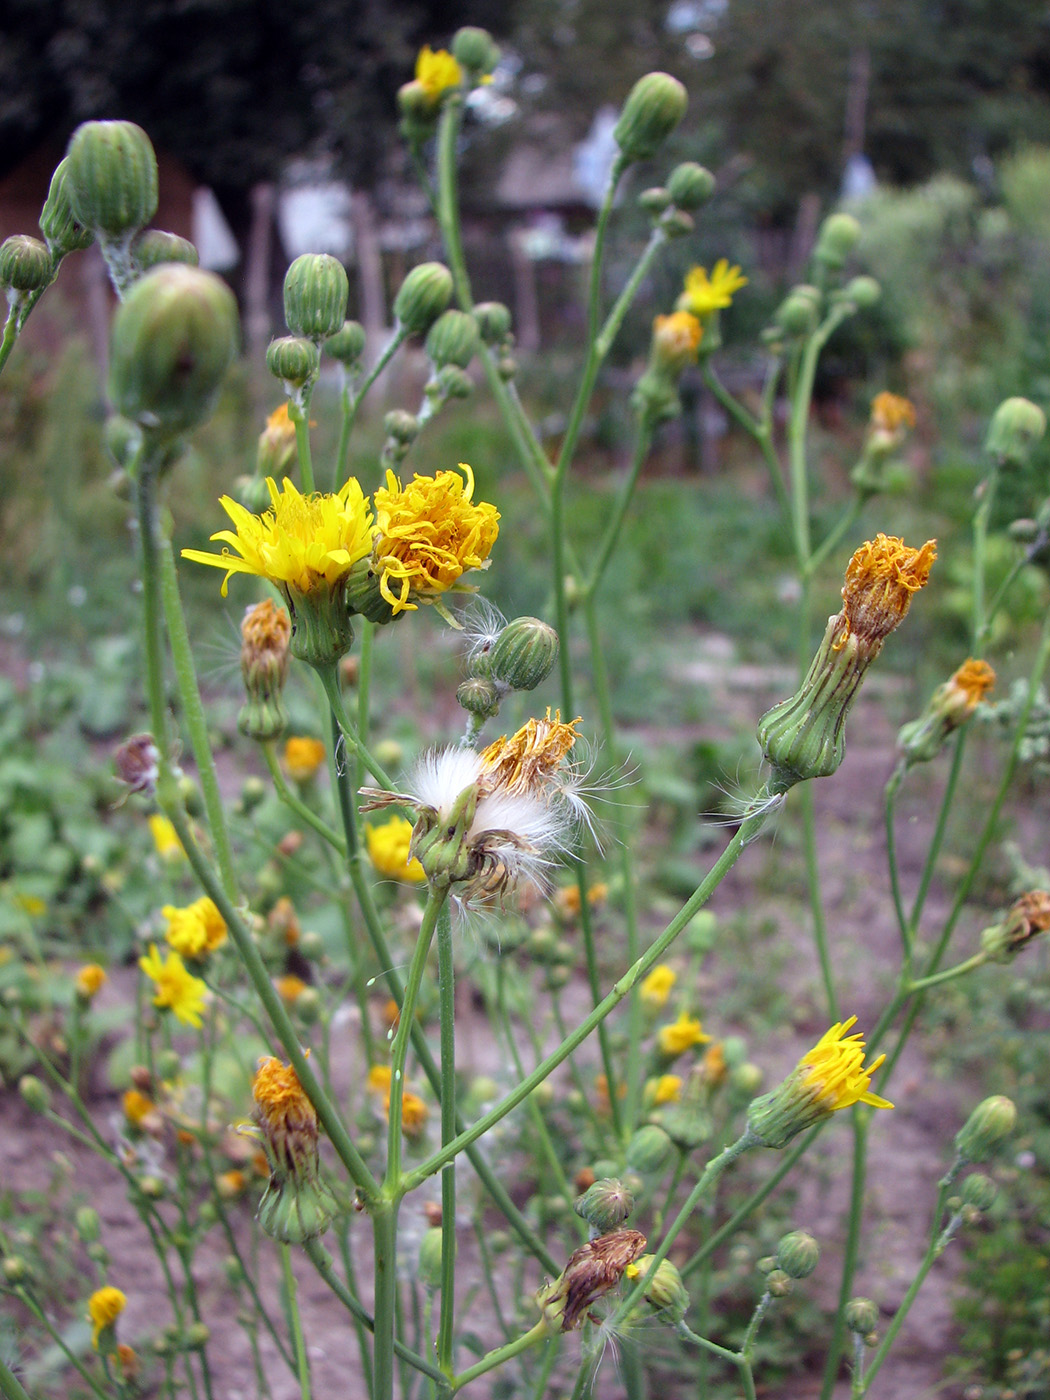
(505, 657)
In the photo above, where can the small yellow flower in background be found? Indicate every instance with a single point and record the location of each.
(705, 294)
(680, 1036)
(428, 534)
(880, 580)
(973, 680)
(231, 1184)
(303, 756)
(713, 1064)
(437, 71)
(601, 1094)
(830, 1077)
(165, 838)
(951, 705)
(177, 990)
(306, 543)
(378, 1080)
(31, 904)
(656, 988)
(196, 930)
(130, 1365)
(276, 442)
(388, 846)
(137, 1107)
(104, 1307)
(567, 898)
(89, 981)
(414, 1113)
(667, 1089)
(891, 414)
(676, 341)
(290, 988)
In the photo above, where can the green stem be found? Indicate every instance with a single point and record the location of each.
(981, 518)
(292, 1303)
(861, 1121)
(399, 338)
(890, 806)
(447, 1011)
(798, 423)
(844, 523)
(300, 416)
(687, 1334)
(747, 1347)
(296, 804)
(9, 1385)
(594, 983)
(329, 677)
(501, 1354)
(194, 717)
(342, 452)
(747, 830)
(10, 335)
(364, 688)
(384, 1226)
(642, 444)
(74, 1360)
(930, 863)
(820, 931)
(923, 984)
(144, 473)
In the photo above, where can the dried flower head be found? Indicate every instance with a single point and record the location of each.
(676, 341)
(881, 578)
(592, 1271)
(1026, 919)
(276, 443)
(950, 707)
(297, 1205)
(891, 415)
(266, 630)
(137, 762)
(428, 534)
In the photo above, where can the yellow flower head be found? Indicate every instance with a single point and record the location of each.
(196, 930)
(266, 631)
(667, 1089)
(973, 680)
(177, 990)
(388, 847)
(656, 988)
(378, 1080)
(526, 762)
(567, 898)
(231, 1184)
(303, 756)
(104, 1307)
(891, 414)
(676, 341)
(290, 988)
(830, 1077)
(276, 442)
(89, 981)
(705, 294)
(307, 544)
(437, 72)
(414, 1113)
(880, 580)
(137, 1106)
(286, 1118)
(680, 1036)
(428, 534)
(165, 838)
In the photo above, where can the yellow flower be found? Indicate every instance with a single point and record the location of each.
(830, 1077)
(428, 534)
(231, 1184)
(196, 930)
(667, 1089)
(137, 1106)
(31, 904)
(388, 846)
(437, 72)
(681, 1035)
(104, 1307)
(656, 988)
(287, 1120)
(567, 898)
(276, 442)
(165, 839)
(89, 980)
(178, 990)
(378, 1080)
(303, 756)
(306, 543)
(972, 681)
(290, 988)
(676, 341)
(891, 414)
(414, 1113)
(880, 580)
(704, 295)
(528, 760)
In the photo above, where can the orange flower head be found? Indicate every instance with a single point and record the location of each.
(527, 761)
(880, 580)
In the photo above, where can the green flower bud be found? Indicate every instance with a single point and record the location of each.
(152, 1187)
(1016, 429)
(173, 339)
(112, 177)
(493, 321)
(294, 360)
(429, 1267)
(25, 264)
(122, 440)
(346, 344)
(864, 292)
(979, 1191)
(479, 697)
(424, 294)
(197, 1335)
(654, 200)
(452, 382)
(315, 295)
(524, 653)
(664, 1290)
(798, 1254)
(15, 1269)
(88, 1224)
(797, 314)
(838, 236)
(605, 1205)
(34, 1093)
(778, 1283)
(153, 247)
(655, 397)
(234, 1271)
(98, 1253)
(676, 223)
(690, 185)
(654, 107)
(295, 1211)
(507, 367)
(402, 426)
(649, 1149)
(308, 1006)
(60, 227)
(989, 1125)
(419, 112)
(862, 1316)
(475, 50)
(452, 339)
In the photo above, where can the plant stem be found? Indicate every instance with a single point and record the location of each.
(949, 974)
(447, 1007)
(292, 1302)
(501, 1354)
(9, 1384)
(861, 1121)
(643, 441)
(300, 416)
(10, 334)
(890, 806)
(296, 804)
(384, 1227)
(399, 338)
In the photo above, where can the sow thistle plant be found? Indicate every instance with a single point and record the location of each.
(645, 1111)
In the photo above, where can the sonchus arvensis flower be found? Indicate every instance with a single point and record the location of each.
(951, 705)
(266, 632)
(104, 1307)
(176, 989)
(389, 844)
(1025, 920)
(297, 1205)
(428, 533)
(805, 736)
(307, 546)
(490, 823)
(674, 346)
(705, 294)
(831, 1076)
(592, 1271)
(195, 930)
